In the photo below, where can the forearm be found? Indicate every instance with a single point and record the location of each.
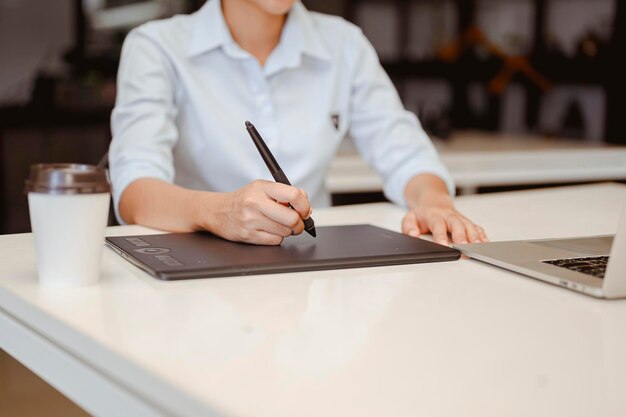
(426, 189)
(156, 203)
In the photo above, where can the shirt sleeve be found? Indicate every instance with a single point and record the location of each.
(388, 137)
(142, 122)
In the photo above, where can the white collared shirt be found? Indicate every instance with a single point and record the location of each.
(185, 89)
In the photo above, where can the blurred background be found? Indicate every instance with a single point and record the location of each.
(529, 84)
(482, 75)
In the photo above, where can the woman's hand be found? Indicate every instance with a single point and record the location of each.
(258, 213)
(432, 211)
(442, 220)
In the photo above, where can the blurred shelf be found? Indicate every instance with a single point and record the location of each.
(30, 117)
(557, 69)
(478, 159)
(472, 69)
(475, 66)
(578, 70)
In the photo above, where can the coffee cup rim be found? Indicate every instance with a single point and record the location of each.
(67, 178)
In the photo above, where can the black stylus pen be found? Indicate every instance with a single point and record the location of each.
(272, 165)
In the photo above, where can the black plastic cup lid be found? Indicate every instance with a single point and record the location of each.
(67, 179)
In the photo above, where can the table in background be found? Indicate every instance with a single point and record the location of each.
(441, 339)
(479, 159)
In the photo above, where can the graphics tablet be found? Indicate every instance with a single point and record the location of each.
(203, 255)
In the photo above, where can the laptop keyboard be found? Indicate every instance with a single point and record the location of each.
(595, 266)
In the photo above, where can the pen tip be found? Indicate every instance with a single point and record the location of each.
(248, 124)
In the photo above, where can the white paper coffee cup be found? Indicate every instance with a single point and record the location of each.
(69, 206)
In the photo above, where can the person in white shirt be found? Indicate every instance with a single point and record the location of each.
(181, 159)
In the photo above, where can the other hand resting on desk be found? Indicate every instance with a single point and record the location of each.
(431, 209)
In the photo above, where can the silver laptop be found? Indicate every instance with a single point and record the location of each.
(591, 265)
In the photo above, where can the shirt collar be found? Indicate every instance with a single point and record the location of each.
(299, 35)
(209, 29)
(301, 29)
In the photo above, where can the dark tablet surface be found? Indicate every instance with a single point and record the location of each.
(203, 255)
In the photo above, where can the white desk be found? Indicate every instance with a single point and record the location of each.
(487, 160)
(450, 339)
